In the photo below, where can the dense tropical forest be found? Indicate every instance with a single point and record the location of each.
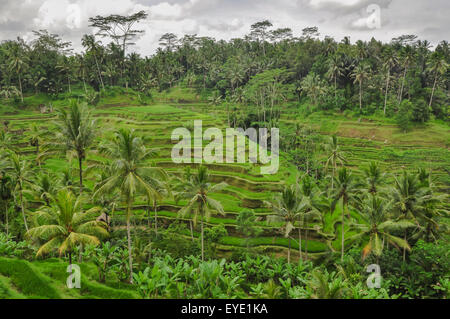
(86, 175)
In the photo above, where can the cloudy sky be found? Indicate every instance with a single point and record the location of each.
(226, 19)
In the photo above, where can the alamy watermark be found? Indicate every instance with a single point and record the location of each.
(74, 279)
(374, 279)
(374, 19)
(258, 146)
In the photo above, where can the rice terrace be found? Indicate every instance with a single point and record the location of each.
(281, 164)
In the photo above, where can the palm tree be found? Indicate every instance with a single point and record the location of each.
(89, 42)
(6, 141)
(313, 87)
(360, 74)
(438, 66)
(130, 174)
(163, 189)
(36, 140)
(378, 226)
(288, 209)
(389, 62)
(76, 133)
(21, 173)
(347, 188)
(408, 56)
(335, 70)
(408, 197)
(6, 195)
(310, 207)
(431, 211)
(373, 178)
(18, 63)
(235, 75)
(198, 189)
(81, 69)
(65, 68)
(335, 155)
(35, 136)
(44, 187)
(64, 225)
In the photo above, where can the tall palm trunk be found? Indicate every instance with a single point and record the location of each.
(360, 96)
(20, 87)
(99, 73)
(400, 96)
(387, 89)
(7, 219)
(192, 231)
(300, 241)
(68, 82)
(335, 87)
(432, 92)
(289, 251)
(306, 244)
(156, 217)
(21, 206)
(342, 230)
(80, 168)
(148, 215)
(404, 249)
(332, 178)
(130, 257)
(203, 247)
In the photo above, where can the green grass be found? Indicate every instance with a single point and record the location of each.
(46, 279)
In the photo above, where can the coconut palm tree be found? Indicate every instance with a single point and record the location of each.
(21, 173)
(6, 142)
(374, 178)
(164, 190)
(313, 86)
(376, 227)
(198, 190)
(18, 63)
(35, 136)
(390, 61)
(44, 187)
(89, 42)
(408, 57)
(360, 74)
(347, 188)
(335, 155)
(64, 225)
(311, 208)
(335, 70)
(438, 66)
(131, 174)
(288, 209)
(432, 211)
(408, 198)
(6, 195)
(76, 133)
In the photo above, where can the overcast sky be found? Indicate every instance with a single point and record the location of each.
(226, 19)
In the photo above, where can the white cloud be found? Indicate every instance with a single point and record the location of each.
(226, 19)
(318, 3)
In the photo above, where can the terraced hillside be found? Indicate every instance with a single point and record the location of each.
(20, 279)
(363, 140)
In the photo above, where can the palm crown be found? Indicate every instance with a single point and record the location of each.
(64, 225)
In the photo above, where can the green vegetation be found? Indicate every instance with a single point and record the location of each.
(86, 170)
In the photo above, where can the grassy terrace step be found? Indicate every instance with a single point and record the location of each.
(47, 279)
(166, 217)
